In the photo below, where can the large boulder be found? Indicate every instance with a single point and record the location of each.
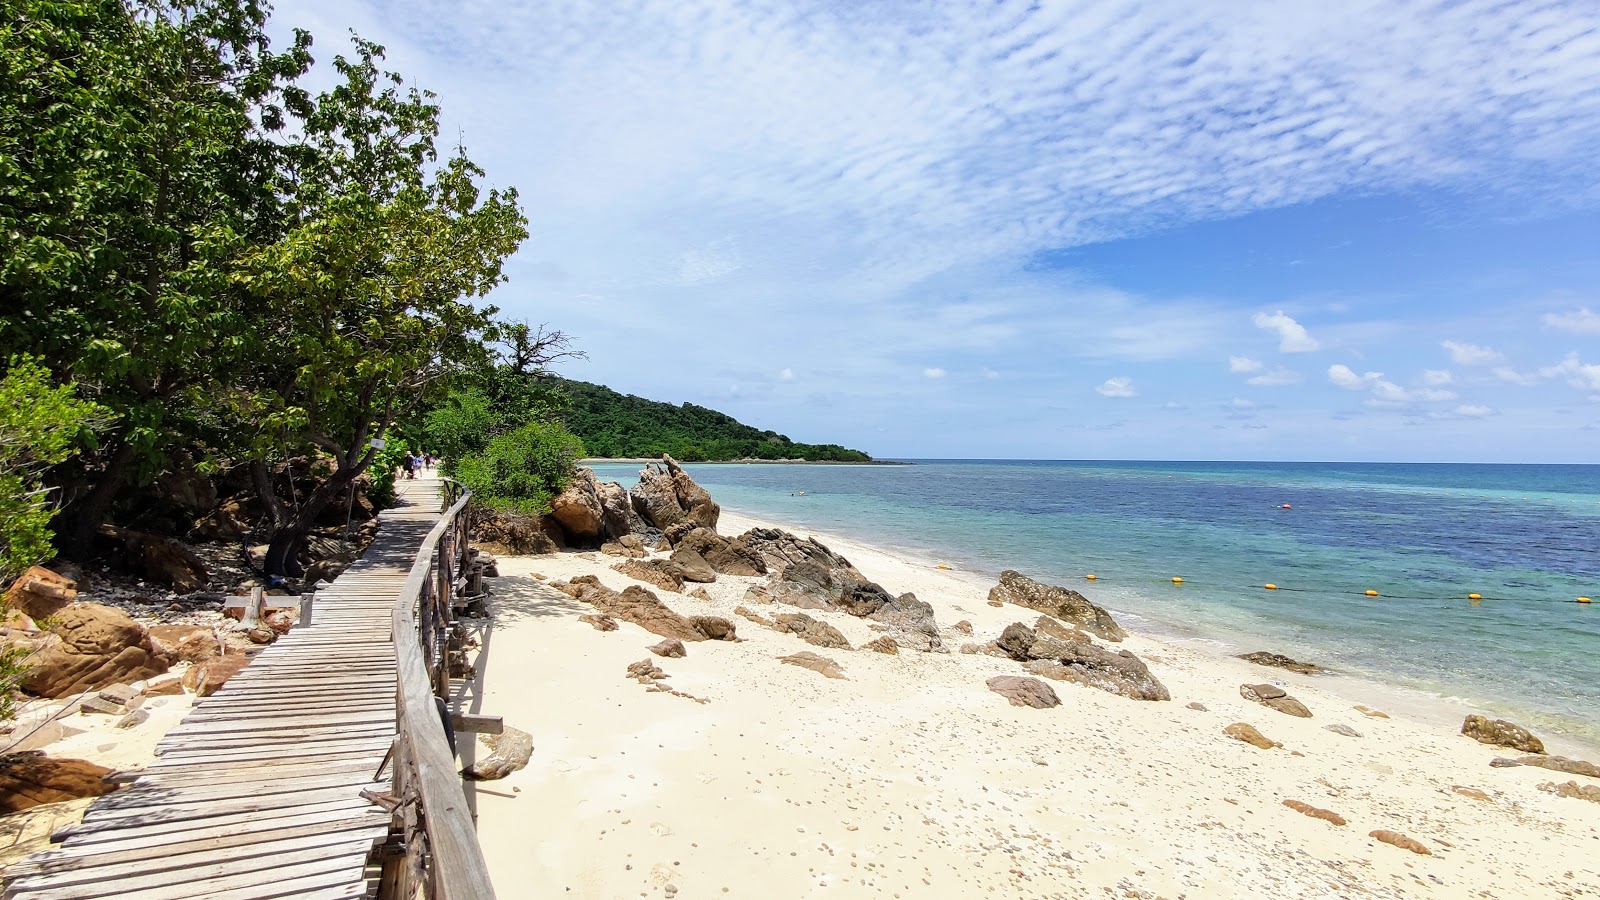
(726, 557)
(812, 631)
(1062, 603)
(578, 511)
(1501, 733)
(206, 678)
(1118, 672)
(616, 519)
(510, 533)
(91, 646)
(39, 593)
(694, 566)
(780, 549)
(31, 779)
(157, 558)
(188, 643)
(666, 496)
(663, 573)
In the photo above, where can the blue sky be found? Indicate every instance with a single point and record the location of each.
(1200, 230)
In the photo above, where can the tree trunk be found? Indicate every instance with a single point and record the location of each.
(86, 515)
(282, 560)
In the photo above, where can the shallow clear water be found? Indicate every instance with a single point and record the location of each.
(1423, 536)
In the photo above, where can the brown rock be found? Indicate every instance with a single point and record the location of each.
(698, 507)
(189, 643)
(91, 628)
(616, 521)
(1371, 713)
(577, 509)
(1553, 763)
(1314, 812)
(971, 649)
(645, 670)
(30, 779)
(1082, 661)
(1274, 697)
(662, 573)
(642, 608)
(754, 617)
(883, 644)
(1060, 631)
(779, 549)
(699, 593)
(1062, 603)
(1247, 733)
(812, 631)
(206, 678)
(600, 622)
(693, 566)
(158, 558)
(670, 649)
(509, 751)
(728, 557)
(1470, 793)
(612, 548)
(715, 628)
(1341, 728)
(1590, 792)
(40, 593)
(667, 495)
(1024, 691)
(261, 635)
(1198, 706)
(90, 647)
(507, 532)
(808, 660)
(1501, 733)
(1397, 839)
(1278, 660)
(963, 628)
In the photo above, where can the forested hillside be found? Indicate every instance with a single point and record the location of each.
(613, 424)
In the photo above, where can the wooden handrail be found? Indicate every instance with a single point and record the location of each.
(439, 843)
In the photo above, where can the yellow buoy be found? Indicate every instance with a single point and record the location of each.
(941, 566)
(1090, 577)
(1584, 600)
(1271, 587)
(1474, 596)
(1177, 580)
(1372, 593)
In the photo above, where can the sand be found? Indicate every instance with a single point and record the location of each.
(909, 778)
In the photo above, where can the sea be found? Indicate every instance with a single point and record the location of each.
(1424, 537)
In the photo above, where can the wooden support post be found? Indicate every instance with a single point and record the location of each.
(472, 723)
(252, 611)
(306, 601)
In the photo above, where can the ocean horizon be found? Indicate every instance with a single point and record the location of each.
(1424, 536)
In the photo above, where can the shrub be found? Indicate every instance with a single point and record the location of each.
(522, 470)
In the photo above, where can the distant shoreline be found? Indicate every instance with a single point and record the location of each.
(606, 460)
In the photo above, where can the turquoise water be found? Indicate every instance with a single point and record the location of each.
(1423, 536)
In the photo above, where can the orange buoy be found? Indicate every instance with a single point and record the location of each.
(1474, 596)
(1270, 586)
(1090, 577)
(1177, 580)
(1583, 600)
(1372, 593)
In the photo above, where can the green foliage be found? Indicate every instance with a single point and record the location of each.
(41, 424)
(381, 474)
(522, 470)
(616, 425)
(460, 426)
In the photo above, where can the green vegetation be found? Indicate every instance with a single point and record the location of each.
(618, 425)
(522, 470)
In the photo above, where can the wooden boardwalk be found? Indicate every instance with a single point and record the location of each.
(257, 792)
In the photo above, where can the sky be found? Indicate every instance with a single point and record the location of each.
(1103, 230)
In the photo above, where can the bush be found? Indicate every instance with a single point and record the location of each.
(522, 470)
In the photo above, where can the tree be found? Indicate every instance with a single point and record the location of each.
(136, 155)
(364, 302)
(523, 469)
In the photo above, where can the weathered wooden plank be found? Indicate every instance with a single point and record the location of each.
(247, 852)
(155, 795)
(117, 829)
(316, 868)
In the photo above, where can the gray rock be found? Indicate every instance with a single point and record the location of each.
(1021, 691)
(1084, 662)
(1341, 728)
(694, 566)
(670, 648)
(510, 751)
(1553, 763)
(812, 631)
(1274, 697)
(1501, 733)
(1062, 603)
(1278, 660)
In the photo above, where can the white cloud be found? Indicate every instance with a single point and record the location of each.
(933, 373)
(786, 375)
(1278, 376)
(1244, 364)
(1292, 336)
(1473, 412)
(1437, 377)
(1471, 354)
(1580, 321)
(1584, 377)
(1121, 386)
(1241, 403)
(1512, 376)
(990, 374)
(1384, 392)
(1345, 377)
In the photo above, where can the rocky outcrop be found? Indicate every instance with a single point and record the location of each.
(1590, 792)
(1024, 691)
(642, 608)
(779, 549)
(628, 545)
(1396, 839)
(157, 558)
(1501, 733)
(726, 556)
(805, 659)
(1062, 603)
(666, 496)
(882, 644)
(693, 565)
(31, 779)
(1274, 697)
(91, 646)
(616, 511)
(578, 511)
(1553, 763)
(39, 593)
(813, 577)
(1314, 812)
(812, 631)
(662, 573)
(500, 531)
(508, 751)
(188, 643)
(1083, 662)
(206, 678)
(1278, 660)
(1243, 731)
(1060, 630)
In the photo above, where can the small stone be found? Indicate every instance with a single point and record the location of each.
(1245, 732)
(1197, 705)
(884, 644)
(1470, 793)
(1372, 713)
(134, 719)
(1315, 812)
(671, 649)
(1395, 838)
(1023, 691)
(1341, 728)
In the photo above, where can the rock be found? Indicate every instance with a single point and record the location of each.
(1060, 631)
(1274, 697)
(670, 649)
(91, 646)
(698, 507)
(600, 622)
(188, 643)
(812, 631)
(102, 706)
(667, 495)
(1314, 812)
(1397, 839)
(808, 586)
(1371, 713)
(882, 644)
(699, 593)
(261, 635)
(675, 533)
(165, 685)
(1024, 691)
(1082, 661)
(1198, 706)
(508, 532)
(754, 617)
(779, 549)
(1341, 728)
(133, 718)
(693, 566)
(1590, 792)
(509, 751)
(645, 671)
(31, 779)
(1553, 763)
(1278, 660)
(40, 593)
(616, 513)
(158, 559)
(662, 573)
(1245, 732)
(808, 660)
(612, 548)
(970, 649)
(1469, 793)
(757, 593)
(93, 629)
(642, 608)
(1062, 603)
(1501, 733)
(963, 628)
(577, 510)
(205, 679)
(715, 628)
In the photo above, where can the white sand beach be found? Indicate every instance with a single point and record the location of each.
(909, 778)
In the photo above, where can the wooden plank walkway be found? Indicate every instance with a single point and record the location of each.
(256, 793)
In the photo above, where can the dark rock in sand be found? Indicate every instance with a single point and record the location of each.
(642, 608)
(805, 659)
(779, 549)
(1198, 706)
(671, 649)
(1553, 763)
(1274, 697)
(1243, 731)
(1054, 628)
(600, 622)
(1062, 603)
(1590, 792)
(1082, 661)
(1278, 660)
(1501, 733)
(812, 631)
(693, 565)
(1396, 839)
(1024, 691)
(1314, 812)
(882, 644)
(1340, 728)
(31, 779)
(663, 573)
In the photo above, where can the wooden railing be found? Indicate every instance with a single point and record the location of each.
(435, 848)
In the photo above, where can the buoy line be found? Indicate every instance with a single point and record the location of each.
(1366, 593)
